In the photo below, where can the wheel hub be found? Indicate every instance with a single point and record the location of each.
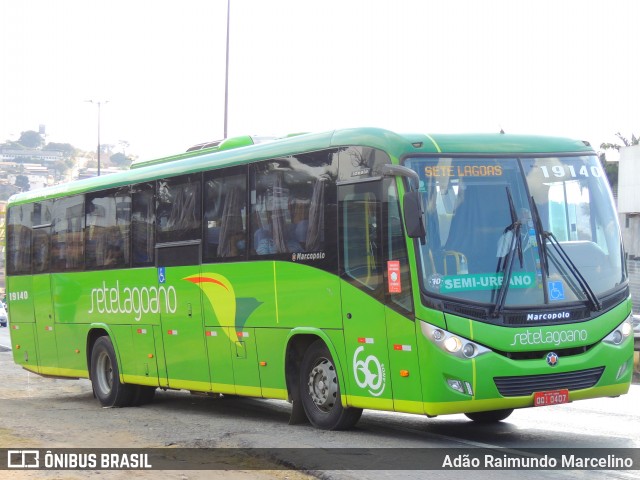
(323, 385)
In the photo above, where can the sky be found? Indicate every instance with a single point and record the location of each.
(550, 67)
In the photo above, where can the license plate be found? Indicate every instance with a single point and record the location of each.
(552, 397)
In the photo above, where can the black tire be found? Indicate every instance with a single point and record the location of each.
(105, 376)
(320, 391)
(491, 416)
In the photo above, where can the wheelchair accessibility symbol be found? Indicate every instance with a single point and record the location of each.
(556, 291)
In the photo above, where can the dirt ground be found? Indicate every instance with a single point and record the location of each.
(47, 413)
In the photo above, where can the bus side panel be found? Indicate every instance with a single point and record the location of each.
(239, 294)
(404, 365)
(367, 357)
(145, 357)
(307, 296)
(271, 351)
(244, 358)
(72, 355)
(20, 299)
(123, 344)
(136, 351)
(23, 343)
(219, 351)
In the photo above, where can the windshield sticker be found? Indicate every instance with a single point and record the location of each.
(556, 290)
(393, 276)
(485, 281)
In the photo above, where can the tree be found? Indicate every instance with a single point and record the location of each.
(120, 160)
(611, 168)
(30, 139)
(68, 149)
(22, 182)
(625, 143)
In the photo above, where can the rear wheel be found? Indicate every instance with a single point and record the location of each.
(491, 416)
(320, 391)
(105, 376)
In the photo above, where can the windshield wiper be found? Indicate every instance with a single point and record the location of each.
(542, 235)
(584, 285)
(507, 266)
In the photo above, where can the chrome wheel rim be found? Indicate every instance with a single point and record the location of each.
(323, 385)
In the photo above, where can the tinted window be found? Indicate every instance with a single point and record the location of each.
(178, 209)
(291, 202)
(142, 224)
(42, 216)
(225, 214)
(67, 234)
(107, 230)
(361, 236)
(19, 239)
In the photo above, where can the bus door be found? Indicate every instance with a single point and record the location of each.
(42, 300)
(362, 291)
(178, 254)
(404, 371)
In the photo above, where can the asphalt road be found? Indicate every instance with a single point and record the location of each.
(49, 413)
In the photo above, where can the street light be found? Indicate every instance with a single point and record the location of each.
(226, 72)
(99, 104)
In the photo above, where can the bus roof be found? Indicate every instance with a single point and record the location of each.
(243, 150)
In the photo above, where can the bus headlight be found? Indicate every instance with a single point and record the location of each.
(451, 343)
(621, 333)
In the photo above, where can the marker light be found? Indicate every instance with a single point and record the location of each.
(451, 343)
(621, 332)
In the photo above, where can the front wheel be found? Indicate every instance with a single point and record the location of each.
(105, 376)
(320, 391)
(491, 416)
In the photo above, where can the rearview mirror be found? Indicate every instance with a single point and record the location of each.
(414, 215)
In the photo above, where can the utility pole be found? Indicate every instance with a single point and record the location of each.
(99, 104)
(226, 73)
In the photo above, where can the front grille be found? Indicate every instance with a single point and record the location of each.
(522, 386)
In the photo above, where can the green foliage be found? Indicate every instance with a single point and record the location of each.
(31, 139)
(68, 149)
(22, 182)
(120, 160)
(611, 170)
(625, 142)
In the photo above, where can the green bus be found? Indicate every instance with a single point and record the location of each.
(352, 269)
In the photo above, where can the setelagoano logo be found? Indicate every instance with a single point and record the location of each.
(134, 300)
(538, 337)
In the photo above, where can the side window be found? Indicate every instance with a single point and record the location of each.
(360, 235)
(225, 214)
(398, 277)
(41, 236)
(107, 230)
(19, 239)
(142, 224)
(67, 245)
(291, 200)
(178, 209)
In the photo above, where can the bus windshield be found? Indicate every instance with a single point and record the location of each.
(545, 227)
